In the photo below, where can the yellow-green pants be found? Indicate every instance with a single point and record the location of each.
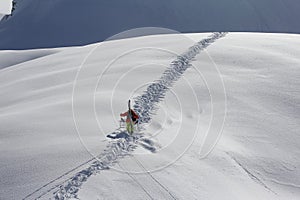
(129, 127)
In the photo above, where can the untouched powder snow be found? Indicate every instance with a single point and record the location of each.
(57, 23)
(256, 157)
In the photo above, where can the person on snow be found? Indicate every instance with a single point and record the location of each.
(131, 119)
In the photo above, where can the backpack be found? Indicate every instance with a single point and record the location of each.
(134, 116)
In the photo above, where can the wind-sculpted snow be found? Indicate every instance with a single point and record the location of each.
(256, 157)
(67, 186)
(147, 103)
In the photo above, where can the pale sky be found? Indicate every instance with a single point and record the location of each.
(5, 7)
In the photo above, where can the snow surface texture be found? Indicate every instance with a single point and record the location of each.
(145, 105)
(56, 23)
(9, 58)
(257, 157)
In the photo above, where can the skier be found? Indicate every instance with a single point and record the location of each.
(131, 118)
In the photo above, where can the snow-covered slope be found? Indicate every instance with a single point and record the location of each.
(10, 58)
(56, 23)
(257, 156)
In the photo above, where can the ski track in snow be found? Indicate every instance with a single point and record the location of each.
(67, 185)
(250, 174)
(152, 177)
(136, 181)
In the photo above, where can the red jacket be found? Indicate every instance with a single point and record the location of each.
(134, 116)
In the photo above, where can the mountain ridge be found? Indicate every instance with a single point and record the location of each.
(57, 23)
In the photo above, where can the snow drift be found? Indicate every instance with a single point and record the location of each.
(256, 158)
